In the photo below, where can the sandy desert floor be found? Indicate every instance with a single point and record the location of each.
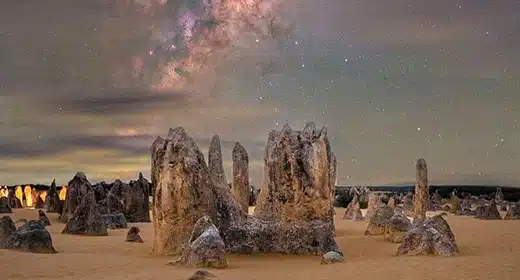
(490, 250)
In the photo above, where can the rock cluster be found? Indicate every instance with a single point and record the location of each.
(132, 200)
(30, 237)
(293, 213)
(431, 236)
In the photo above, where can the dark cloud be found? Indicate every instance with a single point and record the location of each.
(49, 146)
(122, 102)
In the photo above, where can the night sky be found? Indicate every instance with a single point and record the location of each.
(82, 85)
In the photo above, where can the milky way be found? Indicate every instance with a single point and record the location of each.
(195, 35)
(87, 85)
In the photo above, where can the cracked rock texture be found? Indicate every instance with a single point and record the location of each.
(293, 213)
(431, 236)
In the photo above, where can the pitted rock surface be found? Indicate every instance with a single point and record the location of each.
(293, 212)
(86, 219)
(431, 237)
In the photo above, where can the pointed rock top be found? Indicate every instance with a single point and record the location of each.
(80, 176)
(421, 163)
(310, 127)
(53, 184)
(141, 176)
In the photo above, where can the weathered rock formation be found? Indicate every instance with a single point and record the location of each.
(206, 248)
(513, 212)
(377, 223)
(455, 203)
(293, 212)
(38, 198)
(43, 218)
(397, 227)
(5, 206)
(53, 204)
(30, 237)
(421, 197)
(133, 235)
(86, 219)
(408, 207)
(14, 202)
(480, 211)
(7, 228)
(491, 212)
(373, 203)
(131, 199)
(431, 237)
(391, 202)
(78, 187)
(349, 210)
(215, 163)
(436, 197)
(499, 196)
(240, 187)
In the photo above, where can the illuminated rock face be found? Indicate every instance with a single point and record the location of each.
(63, 193)
(27, 190)
(18, 192)
(4, 191)
(294, 207)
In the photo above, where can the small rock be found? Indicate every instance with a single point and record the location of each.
(133, 235)
(332, 257)
(202, 275)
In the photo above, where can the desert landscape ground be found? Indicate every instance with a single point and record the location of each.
(489, 250)
(196, 221)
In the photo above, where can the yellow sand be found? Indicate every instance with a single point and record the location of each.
(490, 250)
